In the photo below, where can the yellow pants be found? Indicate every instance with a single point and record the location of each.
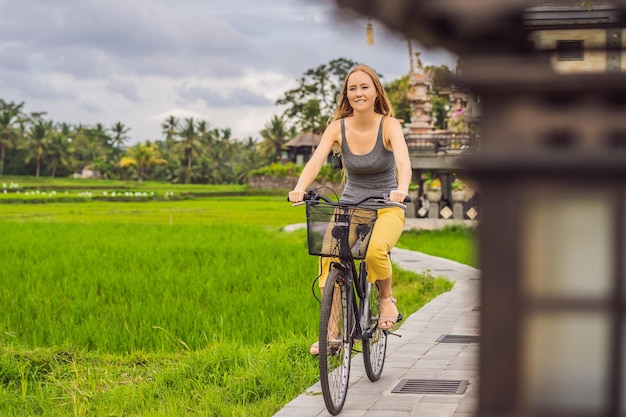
(386, 233)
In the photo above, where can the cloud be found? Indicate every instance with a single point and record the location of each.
(64, 33)
(90, 108)
(236, 97)
(36, 86)
(104, 61)
(126, 89)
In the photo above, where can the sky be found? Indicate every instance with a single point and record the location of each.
(139, 61)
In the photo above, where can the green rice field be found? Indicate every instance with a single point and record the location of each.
(198, 307)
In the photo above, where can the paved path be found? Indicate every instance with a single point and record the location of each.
(417, 355)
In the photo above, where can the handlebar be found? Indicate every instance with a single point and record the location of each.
(312, 196)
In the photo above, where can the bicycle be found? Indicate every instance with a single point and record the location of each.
(343, 231)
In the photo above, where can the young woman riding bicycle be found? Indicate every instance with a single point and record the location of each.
(376, 161)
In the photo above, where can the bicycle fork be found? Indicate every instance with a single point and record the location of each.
(364, 288)
(352, 317)
(359, 320)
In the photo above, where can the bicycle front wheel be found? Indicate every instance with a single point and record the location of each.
(374, 338)
(335, 342)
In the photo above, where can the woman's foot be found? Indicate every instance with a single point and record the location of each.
(315, 347)
(388, 313)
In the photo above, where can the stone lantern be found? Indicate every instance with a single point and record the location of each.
(551, 169)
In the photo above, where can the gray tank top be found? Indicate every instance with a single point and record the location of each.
(371, 174)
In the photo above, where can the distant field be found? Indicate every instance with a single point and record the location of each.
(19, 190)
(160, 308)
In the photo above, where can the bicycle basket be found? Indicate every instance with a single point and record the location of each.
(327, 226)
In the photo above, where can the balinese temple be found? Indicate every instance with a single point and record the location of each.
(434, 151)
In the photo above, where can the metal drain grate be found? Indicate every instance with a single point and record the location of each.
(430, 386)
(457, 338)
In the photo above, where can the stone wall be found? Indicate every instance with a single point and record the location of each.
(263, 182)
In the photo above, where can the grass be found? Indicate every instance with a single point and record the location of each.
(264, 211)
(163, 308)
(158, 288)
(457, 243)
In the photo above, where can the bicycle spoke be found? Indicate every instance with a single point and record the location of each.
(335, 344)
(374, 346)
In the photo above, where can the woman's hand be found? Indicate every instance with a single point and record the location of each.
(396, 196)
(296, 196)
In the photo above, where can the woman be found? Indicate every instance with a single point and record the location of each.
(376, 160)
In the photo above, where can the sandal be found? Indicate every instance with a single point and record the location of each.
(386, 322)
(315, 347)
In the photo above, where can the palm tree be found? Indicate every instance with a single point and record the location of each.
(169, 128)
(59, 149)
(142, 156)
(98, 133)
(119, 134)
(9, 127)
(275, 135)
(91, 148)
(190, 145)
(36, 142)
(82, 147)
(216, 158)
(246, 158)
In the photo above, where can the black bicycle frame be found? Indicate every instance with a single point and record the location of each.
(341, 231)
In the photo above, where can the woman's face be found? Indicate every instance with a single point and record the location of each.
(361, 91)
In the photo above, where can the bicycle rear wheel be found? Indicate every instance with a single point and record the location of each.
(335, 342)
(374, 339)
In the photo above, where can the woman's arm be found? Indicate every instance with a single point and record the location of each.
(395, 135)
(312, 168)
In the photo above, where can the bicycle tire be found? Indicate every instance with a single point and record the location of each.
(375, 339)
(335, 350)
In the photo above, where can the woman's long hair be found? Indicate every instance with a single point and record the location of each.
(382, 104)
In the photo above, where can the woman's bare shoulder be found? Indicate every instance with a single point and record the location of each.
(392, 126)
(335, 124)
(392, 130)
(333, 130)
(392, 122)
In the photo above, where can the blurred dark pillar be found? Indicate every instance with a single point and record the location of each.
(551, 170)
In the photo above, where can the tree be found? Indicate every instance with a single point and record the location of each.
(313, 102)
(190, 145)
(9, 127)
(100, 135)
(142, 156)
(216, 160)
(441, 77)
(275, 135)
(92, 148)
(83, 147)
(397, 92)
(169, 128)
(59, 148)
(36, 142)
(246, 158)
(119, 134)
